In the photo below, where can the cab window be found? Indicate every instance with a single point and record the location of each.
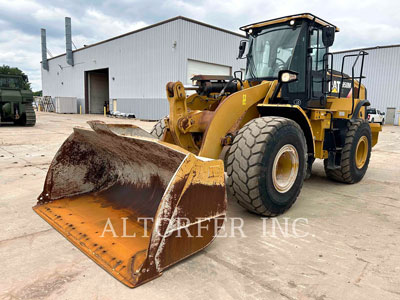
(318, 51)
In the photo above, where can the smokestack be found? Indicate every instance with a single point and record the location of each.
(45, 63)
(68, 41)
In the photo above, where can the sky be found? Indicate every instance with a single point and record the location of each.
(363, 23)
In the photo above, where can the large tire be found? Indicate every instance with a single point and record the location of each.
(355, 154)
(158, 129)
(251, 160)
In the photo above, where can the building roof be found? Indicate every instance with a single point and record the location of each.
(367, 48)
(155, 25)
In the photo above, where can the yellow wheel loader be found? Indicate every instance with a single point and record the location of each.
(137, 204)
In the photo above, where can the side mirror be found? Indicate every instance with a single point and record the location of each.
(328, 35)
(383, 113)
(242, 48)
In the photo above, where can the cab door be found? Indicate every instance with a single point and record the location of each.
(316, 68)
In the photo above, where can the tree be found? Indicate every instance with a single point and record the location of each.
(7, 70)
(37, 93)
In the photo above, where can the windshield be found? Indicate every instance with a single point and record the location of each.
(270, 51)
(10, 82)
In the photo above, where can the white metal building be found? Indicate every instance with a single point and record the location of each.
(131, 71)
(382, 71)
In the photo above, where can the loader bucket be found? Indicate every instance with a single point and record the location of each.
(133, 204)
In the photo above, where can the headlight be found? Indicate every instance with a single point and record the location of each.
(287, 76)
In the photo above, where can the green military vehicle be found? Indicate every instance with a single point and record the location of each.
(15, 101)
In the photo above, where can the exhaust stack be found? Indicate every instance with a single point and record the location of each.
(68, 41)
(45, 63)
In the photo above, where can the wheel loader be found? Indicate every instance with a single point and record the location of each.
(135, 203)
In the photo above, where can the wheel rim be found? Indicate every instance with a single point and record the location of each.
(285, 168)
(361, 152)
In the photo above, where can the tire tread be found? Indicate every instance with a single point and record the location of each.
(243, 170)
(158, 129)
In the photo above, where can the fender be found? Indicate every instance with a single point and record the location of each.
(357, 109)
(295, 113)
(229, 112)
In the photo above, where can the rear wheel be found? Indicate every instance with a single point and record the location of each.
(158, 129)
(355, 154)
(266, 165)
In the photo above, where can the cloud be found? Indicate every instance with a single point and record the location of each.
(106, 25)
(21, 21)
(362, 23)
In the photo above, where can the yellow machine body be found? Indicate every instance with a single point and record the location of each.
(199, 114)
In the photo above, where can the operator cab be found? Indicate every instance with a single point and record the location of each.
(11, 82)
(296, 46)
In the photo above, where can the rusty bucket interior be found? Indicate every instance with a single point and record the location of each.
(131, 203)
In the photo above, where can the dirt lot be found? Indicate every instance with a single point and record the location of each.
(349, 249)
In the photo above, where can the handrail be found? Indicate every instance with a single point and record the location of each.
(362, 54)
(325, 87)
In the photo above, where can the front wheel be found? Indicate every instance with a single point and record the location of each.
(266, 165)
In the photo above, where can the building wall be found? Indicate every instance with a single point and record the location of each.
(141, 64)
(382, 71)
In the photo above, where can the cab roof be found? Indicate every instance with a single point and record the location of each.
(288, 18)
